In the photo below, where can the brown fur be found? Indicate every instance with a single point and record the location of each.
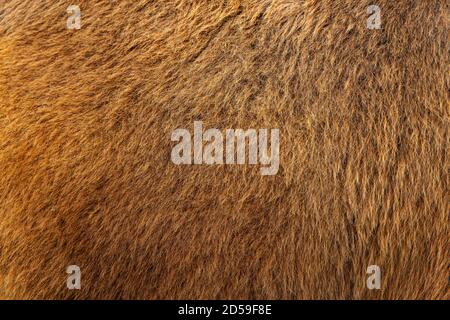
(86, 178)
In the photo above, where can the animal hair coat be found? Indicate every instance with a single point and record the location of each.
(86, 177)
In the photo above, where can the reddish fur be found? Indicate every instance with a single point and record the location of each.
(86, 176)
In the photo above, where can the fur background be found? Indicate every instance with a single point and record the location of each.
(86, 178)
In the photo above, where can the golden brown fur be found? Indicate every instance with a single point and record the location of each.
(86, 178)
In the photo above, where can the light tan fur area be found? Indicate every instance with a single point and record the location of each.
(86, 177)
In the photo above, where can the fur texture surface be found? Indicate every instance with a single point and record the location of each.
(86, 177)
